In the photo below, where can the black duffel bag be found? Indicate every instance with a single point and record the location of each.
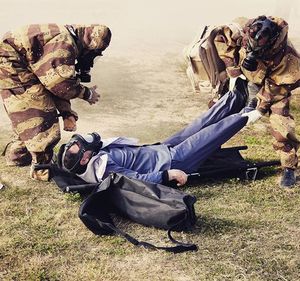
(146, 203)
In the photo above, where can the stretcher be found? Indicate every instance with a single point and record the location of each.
(225, 163)
(229, 163)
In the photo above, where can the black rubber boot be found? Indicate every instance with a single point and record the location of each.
(288, 178)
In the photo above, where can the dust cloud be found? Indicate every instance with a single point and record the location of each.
(144, 89)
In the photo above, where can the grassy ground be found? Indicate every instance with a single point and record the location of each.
(245, 230)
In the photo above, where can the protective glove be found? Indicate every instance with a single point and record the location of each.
(93, 95)
(253, 116)
(70, 124)
(232, 81)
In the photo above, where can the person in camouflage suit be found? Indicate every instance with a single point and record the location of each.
(262, 54)
(41, 70)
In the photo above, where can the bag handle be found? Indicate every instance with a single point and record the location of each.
(180, 248)
(174, 240)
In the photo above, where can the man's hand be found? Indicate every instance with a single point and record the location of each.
(178, 175)
(253, 116)
(70, 124)
(94, 95)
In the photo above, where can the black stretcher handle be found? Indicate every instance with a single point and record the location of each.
(246, 167)
(242, 147)
(81, 187)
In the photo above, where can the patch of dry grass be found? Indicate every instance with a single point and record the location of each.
(245, 231)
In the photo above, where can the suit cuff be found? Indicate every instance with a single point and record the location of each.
(165, 177)
(85, 94)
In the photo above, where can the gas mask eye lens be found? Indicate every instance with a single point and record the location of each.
(91, 142)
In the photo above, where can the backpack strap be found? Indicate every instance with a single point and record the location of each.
(180, 248)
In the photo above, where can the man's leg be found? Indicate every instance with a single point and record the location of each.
(31, 110)
(34, 119)
(189, 154)
(286, 142)
(230, 103)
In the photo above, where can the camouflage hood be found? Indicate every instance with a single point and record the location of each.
(281, 41)
(94, 36)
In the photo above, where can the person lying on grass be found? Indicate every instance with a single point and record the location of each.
(94, 159)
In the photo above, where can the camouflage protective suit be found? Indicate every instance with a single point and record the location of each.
(37, 79)
(276, 76)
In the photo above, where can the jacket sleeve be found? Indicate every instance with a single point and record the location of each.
(155, 177)
(284, 78)
(56, 68)
(271, 93)
(64, 108)
(227, 43)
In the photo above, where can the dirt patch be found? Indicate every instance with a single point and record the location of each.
(147, 100)
(140, 99)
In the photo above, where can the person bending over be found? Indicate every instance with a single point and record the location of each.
(262, 54)
(42, 67)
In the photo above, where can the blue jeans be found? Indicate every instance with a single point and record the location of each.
(195, 143)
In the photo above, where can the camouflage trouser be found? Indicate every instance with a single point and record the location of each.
(283, 130)
(32, 110)
(34, 120)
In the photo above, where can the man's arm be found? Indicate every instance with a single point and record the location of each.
(281, 81)
(227, 44)
(56, 68)
(156, 177)
(69, 116)
(269, 94)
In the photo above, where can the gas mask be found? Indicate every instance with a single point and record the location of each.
(84, 64)
(91, 142)
(262, 35)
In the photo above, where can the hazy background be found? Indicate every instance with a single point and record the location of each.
(140, 24)
(141, 75)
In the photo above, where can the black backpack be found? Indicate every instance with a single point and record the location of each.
(146, 203)
(143, 202)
